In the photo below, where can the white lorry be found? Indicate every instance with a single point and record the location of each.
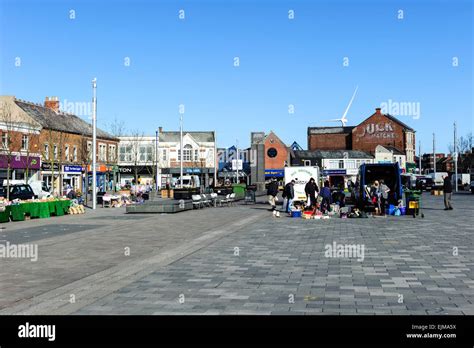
(301, 176)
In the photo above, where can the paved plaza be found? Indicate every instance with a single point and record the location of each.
(241, 260)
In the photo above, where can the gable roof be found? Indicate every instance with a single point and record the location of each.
(61, 122)
(396, 120)
(201, 137)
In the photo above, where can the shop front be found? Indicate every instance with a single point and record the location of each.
(72, 176)
(20, 167)
(171, 175)
(144, 173)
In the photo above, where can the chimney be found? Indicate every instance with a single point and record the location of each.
(160, 130)
(377, 111)
(52, 103)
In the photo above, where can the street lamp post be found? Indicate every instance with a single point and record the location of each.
(94, 141)
(237, 161)
(181, 150)
(156, 159)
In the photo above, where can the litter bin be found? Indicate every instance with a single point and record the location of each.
(413, 202)
(250, 197)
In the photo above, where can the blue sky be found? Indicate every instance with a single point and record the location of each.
(282, 62)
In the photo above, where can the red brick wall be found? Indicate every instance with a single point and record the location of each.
(329, 142)
(277, 162)
(377, 130)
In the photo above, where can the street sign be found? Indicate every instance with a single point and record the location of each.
(237, 164)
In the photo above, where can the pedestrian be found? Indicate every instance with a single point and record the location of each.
(383, 196)
(288, 195)
(311, 188)
(326, 197)
(448, 191)
(272, 193)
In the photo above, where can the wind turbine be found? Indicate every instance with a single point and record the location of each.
(343, 119)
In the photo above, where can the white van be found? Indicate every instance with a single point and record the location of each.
(301, 175)
(39, 187)
(438, 178)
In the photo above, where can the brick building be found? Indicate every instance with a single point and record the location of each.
(19, 148)
(65, 145)
(377, 129)
(269, 156)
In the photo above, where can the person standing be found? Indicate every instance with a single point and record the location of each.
(383, 194)
(326, 195)
(288, 195)
(448, 191)
(272, 193)
(310, 189)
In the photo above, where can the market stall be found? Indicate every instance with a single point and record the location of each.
(17, 211)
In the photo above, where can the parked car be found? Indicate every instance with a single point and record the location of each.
(18, 191)
(425, 183)
(472, 186)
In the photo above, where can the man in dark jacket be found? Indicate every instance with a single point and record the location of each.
(310, 189)
(289, 195)
(272, 192)
(448, 191)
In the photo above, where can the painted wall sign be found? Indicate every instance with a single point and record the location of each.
(378, 130)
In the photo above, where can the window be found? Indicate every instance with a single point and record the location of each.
(102, 152)
(272, 152)
(350, 164)
(111, 153)
(125, 153)
(187, 153)
(89, 150)
(164, 153)
(24, 142)
(196, 155)
(341, 164)
(5, 140)
(307, 163)
(46, 151)
(333, 164)
(74, 153)
(66, 153)
(55, 152)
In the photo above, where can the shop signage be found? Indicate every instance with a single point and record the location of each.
(20, 162)
(46, 166)
(72, 169)
(327, 172)
(192, 170)
(142, 170)
(274, 172)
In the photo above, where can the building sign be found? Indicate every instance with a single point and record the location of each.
(130, 170)
(237, 164)
(20, 162)
(383, 130)
(327, 172)
(274, 172)
(46, 166)
(72, 169)
(192, 170)
(98, 168)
